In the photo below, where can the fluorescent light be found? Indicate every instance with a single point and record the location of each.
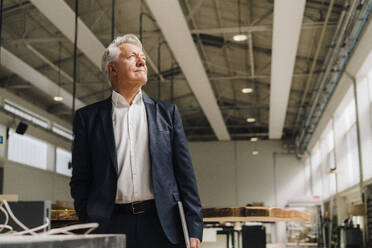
(255, 152)
(25, 114)
(250, 120)
(240, 37)
(247, 90)
(254, 139)
(58, 98)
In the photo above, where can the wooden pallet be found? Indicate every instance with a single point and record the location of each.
(63, 215)
(260, 214)
(230, 214)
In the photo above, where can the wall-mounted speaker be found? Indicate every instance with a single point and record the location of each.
(21, 128)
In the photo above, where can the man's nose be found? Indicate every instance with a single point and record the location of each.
(140, 62)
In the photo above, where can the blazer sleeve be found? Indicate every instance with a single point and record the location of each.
(81, 167)
(186, 180)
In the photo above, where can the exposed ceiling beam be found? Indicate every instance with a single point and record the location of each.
(20, 86)
(58, 12)
(226, 53)
(58, 38)
(62, 16)
(288, 15)
(50, 63)
(25, 71)
(222, 77)
(256, 28)
(15, 7)
(180, 41)
(203, 53)
(256, 76)
(195, 9)
(259, 19)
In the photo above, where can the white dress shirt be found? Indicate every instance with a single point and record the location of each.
(132, 147)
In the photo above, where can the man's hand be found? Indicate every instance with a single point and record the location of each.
(194, 243)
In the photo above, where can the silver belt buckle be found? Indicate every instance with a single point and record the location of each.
(134, 211)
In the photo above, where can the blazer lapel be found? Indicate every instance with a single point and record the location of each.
(106, 116)
(151, 112)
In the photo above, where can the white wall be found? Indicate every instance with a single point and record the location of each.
(34, 184)
(229, 175)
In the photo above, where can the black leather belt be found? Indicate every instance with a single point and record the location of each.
(138, 207)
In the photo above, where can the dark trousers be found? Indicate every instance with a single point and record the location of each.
(142, 230)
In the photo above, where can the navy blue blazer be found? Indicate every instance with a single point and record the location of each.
(95, 170)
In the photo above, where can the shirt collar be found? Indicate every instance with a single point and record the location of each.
(119, 101)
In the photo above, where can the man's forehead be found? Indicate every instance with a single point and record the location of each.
(128, 48)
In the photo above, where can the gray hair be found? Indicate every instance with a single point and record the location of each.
(112, 52)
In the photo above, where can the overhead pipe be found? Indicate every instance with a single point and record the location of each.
(338, 75)
(326, 63)
(50, 63)
(313, 65)
(328, 69)
(305, 135)
(336, 189)
(359, 139)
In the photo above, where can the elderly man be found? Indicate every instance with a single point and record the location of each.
(130, 159)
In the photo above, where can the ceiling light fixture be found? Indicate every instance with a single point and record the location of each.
(250, 120)
(58, 98)
(254, 139)
(240, 36)
(255, 152)
(247, 90)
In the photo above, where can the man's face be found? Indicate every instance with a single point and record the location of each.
(131, 66)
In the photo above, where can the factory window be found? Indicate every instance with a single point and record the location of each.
(370, 84)
(346, 143)
(366, 140)
(327, 161)
(27, 150)
(63, 162)
(316, 170)
(331, 173)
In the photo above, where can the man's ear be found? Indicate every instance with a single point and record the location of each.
(111, 68)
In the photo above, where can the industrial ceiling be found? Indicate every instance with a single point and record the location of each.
(193, 58)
